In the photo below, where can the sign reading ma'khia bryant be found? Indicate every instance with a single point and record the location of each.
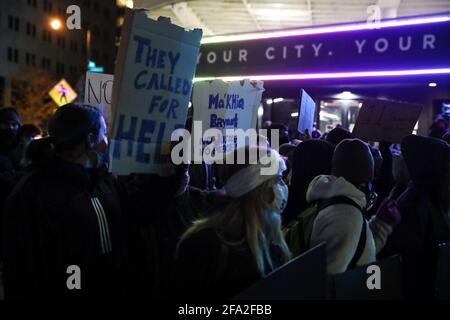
(417, 45)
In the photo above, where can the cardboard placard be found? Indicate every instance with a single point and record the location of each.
(98, 92)
(152, 86)
(386, 120)
(302, 278)
(306, 113)
(222, 105)
(353, 284)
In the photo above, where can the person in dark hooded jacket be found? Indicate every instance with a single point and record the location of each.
(311, 158)
(337, 135)
(11, 150)
(424, 209)
(63, 214)
(69, 211)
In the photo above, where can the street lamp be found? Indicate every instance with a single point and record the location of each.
(55, 24)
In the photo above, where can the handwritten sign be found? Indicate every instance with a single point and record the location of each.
(222, 106)
(62, 93)
(306, 113)
(98, 91)
(152, 86)
(386, 120)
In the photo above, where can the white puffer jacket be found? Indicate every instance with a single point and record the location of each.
(340, 225)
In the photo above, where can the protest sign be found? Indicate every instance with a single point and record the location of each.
(62, 93)
(152, 86)
(306, 113)
(302, 278)
(386, 120)
(223, 106)
(98, 91)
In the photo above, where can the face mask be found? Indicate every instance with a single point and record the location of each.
(101, 159)
(281, 193)
(98, 158)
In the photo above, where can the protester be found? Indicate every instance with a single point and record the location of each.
(311, 158)
(10, 156)
(10, 147)
(439, 127)
(424, 209)
(351, 241)
(316, 134)
(70, 211)
(400, 174)
(338, 134)
(287, 152)
(62, 215)
(37, 152)
(282, 131)
(383, 180)
(226, 252)
(446, 136)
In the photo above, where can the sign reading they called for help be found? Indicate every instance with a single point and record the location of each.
(152, 86)
(62, 93)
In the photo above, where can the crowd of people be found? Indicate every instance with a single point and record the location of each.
(211, 230)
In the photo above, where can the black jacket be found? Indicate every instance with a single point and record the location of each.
(205, 268)
(62, 214)
(423, 207)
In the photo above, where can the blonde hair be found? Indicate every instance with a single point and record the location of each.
(248, 220)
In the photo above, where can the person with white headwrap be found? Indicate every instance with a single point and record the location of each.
(235, 246)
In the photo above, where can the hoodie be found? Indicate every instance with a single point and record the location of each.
(424, 209)
(311, 158)
(340, 225)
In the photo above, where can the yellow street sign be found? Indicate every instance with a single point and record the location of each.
(62, 93)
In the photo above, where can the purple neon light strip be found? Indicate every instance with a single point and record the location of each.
(305, 76)
(329, 29)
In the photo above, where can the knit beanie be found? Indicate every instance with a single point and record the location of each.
(337, 135)
(353, 161)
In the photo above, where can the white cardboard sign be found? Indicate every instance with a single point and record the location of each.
(222, 105)
(306, 113)
(152, 87)
(98, 92)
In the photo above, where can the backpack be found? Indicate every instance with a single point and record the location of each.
(298, 233)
